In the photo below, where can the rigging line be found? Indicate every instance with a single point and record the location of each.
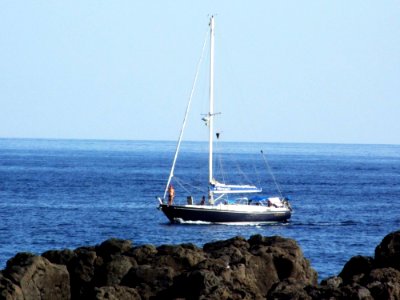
(272, 174)
(257, 174)
(171, 174)
(241, 172)
(219, 159)
(239, 168)
(181, 185)
(221, 168)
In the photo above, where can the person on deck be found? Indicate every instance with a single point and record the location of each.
(203, 200)
(171, 194)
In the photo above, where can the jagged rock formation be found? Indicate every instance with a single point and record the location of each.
(362, 277)
(233, 269)
(33, 277)
(237, 268)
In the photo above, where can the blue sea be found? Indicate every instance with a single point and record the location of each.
(57, 194)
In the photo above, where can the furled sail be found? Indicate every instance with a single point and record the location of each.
(221, 188)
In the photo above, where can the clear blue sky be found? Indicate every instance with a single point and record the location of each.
(286, 71)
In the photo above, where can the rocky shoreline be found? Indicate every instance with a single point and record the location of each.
(238, 268)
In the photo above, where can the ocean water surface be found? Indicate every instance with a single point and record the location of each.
(57, 194)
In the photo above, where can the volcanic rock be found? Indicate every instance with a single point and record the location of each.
(256, 268)
(116, 293)
(387, 254)
(362, 277)
(355, 268)
(35, 278)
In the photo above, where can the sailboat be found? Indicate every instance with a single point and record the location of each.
(247, 205)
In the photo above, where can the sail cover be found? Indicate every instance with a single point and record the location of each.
(221, 188)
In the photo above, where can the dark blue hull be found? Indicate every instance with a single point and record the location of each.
(177, 213)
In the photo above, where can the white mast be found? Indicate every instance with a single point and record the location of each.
(211, 112)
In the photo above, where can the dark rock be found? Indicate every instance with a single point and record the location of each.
(384, 283)
(387, 254)
(148, 280)
(149, 275)
(366, 277)
(9, 290)
(143, 254)
(112, 271)
(355, 292)
(181, 257)
(288, 289)
(287, 258)
(82, 269)
(37, 278)
(355, 268)
(257, 268)
(238, 242)
(116, 293)
(332, 282)
(245, 269)
(233, 251)
(260, 273)
(216, 265)
(60, 257)
(112, 247)
(196, 283)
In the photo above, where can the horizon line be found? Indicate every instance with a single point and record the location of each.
(194, 141)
